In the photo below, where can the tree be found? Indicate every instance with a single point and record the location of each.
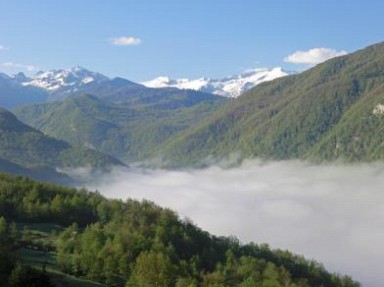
(5, 248)
(153, 269)
(24, 276)
(271, 276)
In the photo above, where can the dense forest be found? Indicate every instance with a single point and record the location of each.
(131, 243)
(331, 112)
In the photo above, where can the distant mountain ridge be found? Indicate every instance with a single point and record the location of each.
(13, 93)
(232, 86)
(66, 80)
(57, 85)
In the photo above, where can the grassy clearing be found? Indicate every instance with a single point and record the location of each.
(64, 280)
(36, 251)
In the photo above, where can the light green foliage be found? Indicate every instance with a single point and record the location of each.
(139, 244)
(153, 269)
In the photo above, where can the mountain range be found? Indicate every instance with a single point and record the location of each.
(333, 111)
(232, 86)
(89, 114)
(57, 85)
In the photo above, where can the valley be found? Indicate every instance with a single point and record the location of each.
(324, 114)
(263, 178)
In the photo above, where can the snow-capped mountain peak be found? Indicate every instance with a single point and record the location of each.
(159, 82)
(64, 79)
(232, 86)
(166, 82)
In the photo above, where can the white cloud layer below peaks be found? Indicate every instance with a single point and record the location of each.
(313, 56)
(333, 213)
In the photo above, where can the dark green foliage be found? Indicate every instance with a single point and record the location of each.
(30, 201)
(15, 275)
(131, 243)
(25, 276)
(6, 245)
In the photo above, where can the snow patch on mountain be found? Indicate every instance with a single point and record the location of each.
(61, 83)
(232, 86)
(67, 79)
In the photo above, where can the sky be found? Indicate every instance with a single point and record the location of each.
(330, 213)
(141, 40)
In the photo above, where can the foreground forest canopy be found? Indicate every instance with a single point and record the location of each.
(51, 235)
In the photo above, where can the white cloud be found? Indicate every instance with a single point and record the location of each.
(2, 48)
(126, 41)
(313, 56)
(332, 213)
(15, 66)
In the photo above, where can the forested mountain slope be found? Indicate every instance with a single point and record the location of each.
(334, 111)
(23, 148)
(129, 127)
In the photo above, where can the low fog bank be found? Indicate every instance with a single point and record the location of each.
(332, 213)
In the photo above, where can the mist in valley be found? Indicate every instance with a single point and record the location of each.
(331, 213)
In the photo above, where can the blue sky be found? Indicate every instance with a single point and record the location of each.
(143, 39)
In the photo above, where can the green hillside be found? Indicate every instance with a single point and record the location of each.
(330, 112)
(57, 236)
(130, 128)
(23, 148)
